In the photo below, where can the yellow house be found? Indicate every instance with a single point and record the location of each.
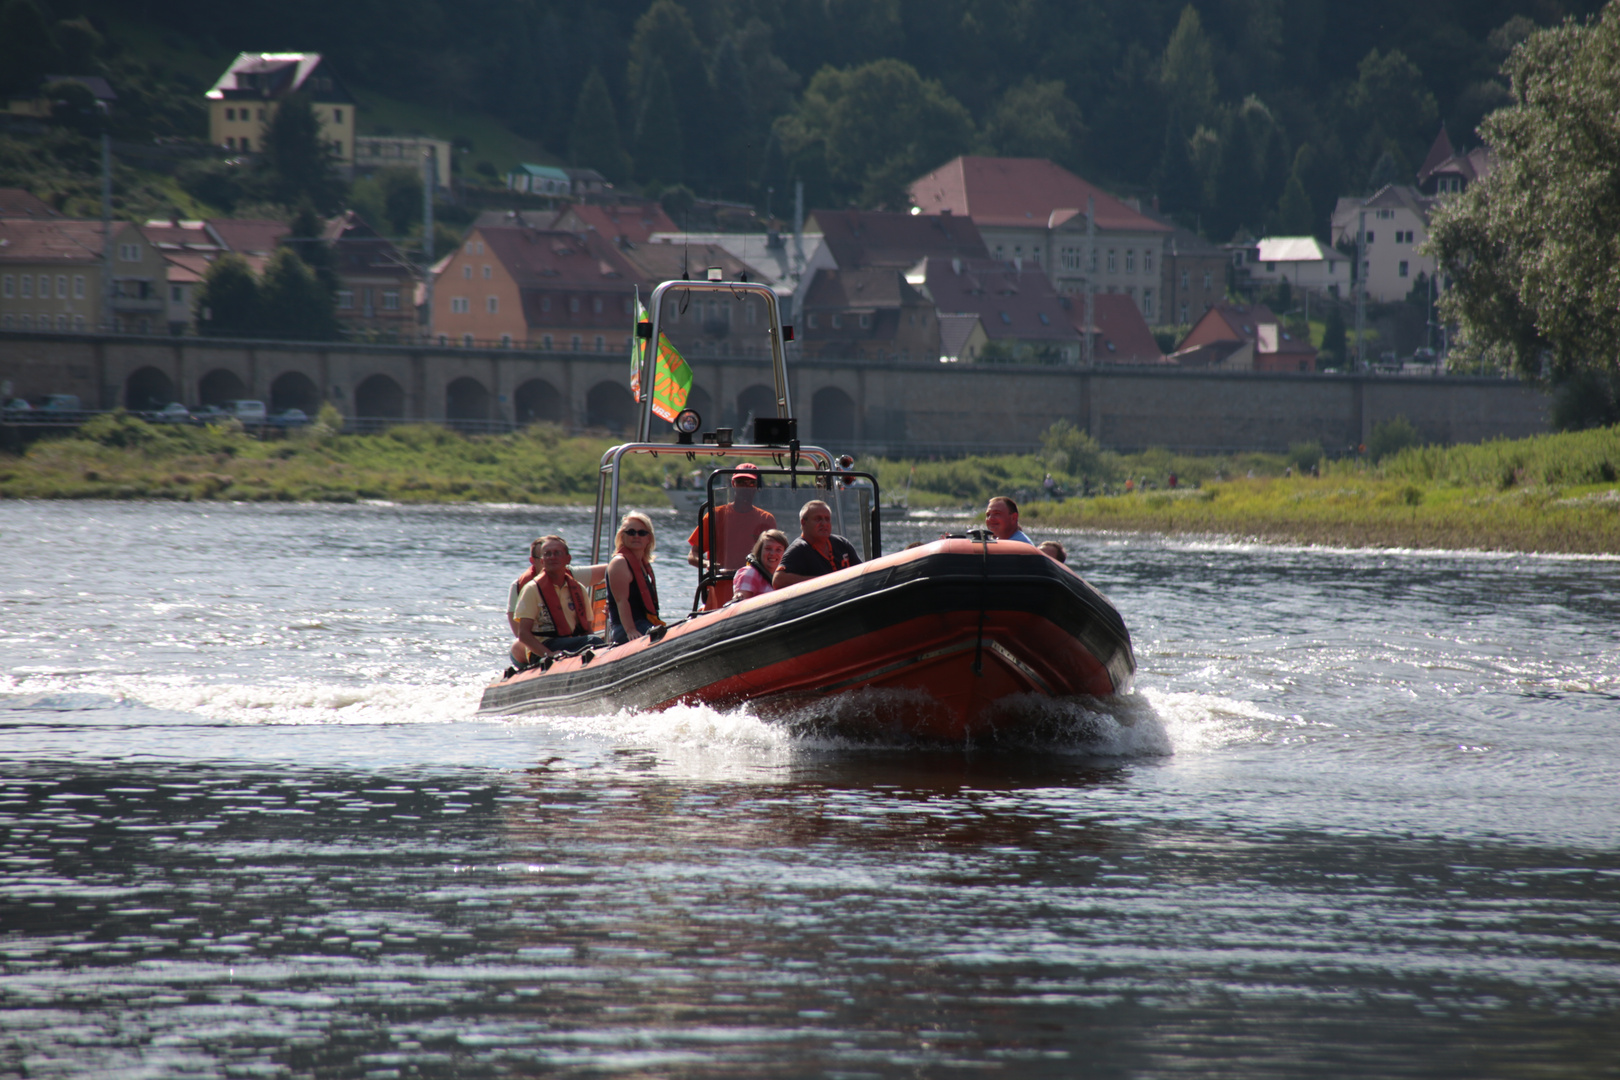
(244, 101)
(51, 274)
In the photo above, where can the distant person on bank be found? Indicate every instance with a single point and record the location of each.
(817, 551)
(552, 612)
(632, 590)
(1001, 518)
(737, 526)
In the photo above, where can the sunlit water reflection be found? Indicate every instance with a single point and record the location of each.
(1358, 818)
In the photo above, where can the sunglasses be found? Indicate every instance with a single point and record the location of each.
(637, 532)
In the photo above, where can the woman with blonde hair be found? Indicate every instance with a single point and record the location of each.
(632, 608)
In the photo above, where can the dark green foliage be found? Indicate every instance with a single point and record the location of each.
(296, 304)
(1391, 437)
(1036, 119)
(73, 105)
(1587, 399)
(228, 302)
(27, 50)
(594, 142)
(299, 166)
(1334, 340)
(659, 150)
(1304, 456)
(306, 238)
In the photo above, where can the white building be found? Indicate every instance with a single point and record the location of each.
(1397, 224)
(1302, 261)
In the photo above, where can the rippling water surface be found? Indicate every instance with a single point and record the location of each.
(1361, 817)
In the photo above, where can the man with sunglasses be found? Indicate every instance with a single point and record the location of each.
(736, 526)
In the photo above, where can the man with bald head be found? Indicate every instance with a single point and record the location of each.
(817, 551)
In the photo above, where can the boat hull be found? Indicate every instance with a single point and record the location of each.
(932, 642)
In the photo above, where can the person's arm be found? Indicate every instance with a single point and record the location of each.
(693, 558)
(525, 634)
(618, 578)
(783, 578)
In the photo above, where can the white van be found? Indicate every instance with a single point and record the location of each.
(249, 412)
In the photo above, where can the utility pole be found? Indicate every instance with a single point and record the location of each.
(108, 323)
(429, 181)
(1091, 266)
(1361, 290)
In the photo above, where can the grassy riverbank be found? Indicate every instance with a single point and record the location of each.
(1551, 493)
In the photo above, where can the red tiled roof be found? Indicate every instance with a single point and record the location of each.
(186, 267)
(1123, 336)
(656, 263)
(57, 240)
(1026, 192)
(249, 236)
(857, 238)
(634, 223)
(1237, 324)
(539, 259)
(1012, 304)
(15, 202)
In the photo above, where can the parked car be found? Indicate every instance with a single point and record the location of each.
(290, 418)
(249, 412)
(17, 405)
(61, 403)
(172, 413)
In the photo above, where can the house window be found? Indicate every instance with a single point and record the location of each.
(337, 116)
(1209, 280)
(247, 143)
(1403, 268)
(470, 246)
(545, 303)
(390, 299)
(1130, 260)
(1183, 318)
(27, 287)
(458, 305)
(1184, 282)
(837, 322)
(999, 252)
(27, 321)
(1006, 319)
(866, 322)
(230, 143)
(1369, 236)
(1147, 261)
(628, 306)
(10, 288)
(1112, 262)
(492, 304)
(1069, 259)
(601, 343)
(345, 300)
(177, 294)
(61, 322)
(506, 341)
(573, 304)
(596, 304)
(1147, 303)
(751, 312)
(574, 343)
(487, 273)
(1093, 260)
(466, 341)
(78, 322)
(78, 286)
(810, 321)
(545, 342)
(466, 272)
(129, 252)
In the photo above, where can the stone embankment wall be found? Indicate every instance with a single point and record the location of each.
(896, 408)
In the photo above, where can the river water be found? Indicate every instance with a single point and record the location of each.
(1360, 817)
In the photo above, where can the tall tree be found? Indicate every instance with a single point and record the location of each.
(1293, 217)
(875, 128)
(228, 302)
(1187, 71)
(1392, 109)
(307, 237)
(27, 50)
(664, 38)
(296, 305)
(301, 166)
(1036, 119)
(594, 141)
(660, 153)
(1534, 248)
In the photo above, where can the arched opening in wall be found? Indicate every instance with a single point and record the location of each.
(537, 402)
(752, 402)
(466, 399)
(832, 417)
(295, 390)
(609, 405)
(379, 396)
(219, 386)
(147, 390)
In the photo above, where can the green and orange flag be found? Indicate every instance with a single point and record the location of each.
(672, 375)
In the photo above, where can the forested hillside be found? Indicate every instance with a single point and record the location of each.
(1236, 113)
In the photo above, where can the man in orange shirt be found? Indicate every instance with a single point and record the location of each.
(736, 526)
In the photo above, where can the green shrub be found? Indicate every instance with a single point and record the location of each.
(1304, 456)
(1391, 437)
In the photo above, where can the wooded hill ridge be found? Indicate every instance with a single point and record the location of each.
(1221, 109)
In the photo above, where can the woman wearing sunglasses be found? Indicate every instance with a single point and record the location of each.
(632, 608)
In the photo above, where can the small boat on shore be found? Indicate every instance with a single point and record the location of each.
(943, 641)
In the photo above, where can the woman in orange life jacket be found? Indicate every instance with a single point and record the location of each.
(552, 612)
(632, 607)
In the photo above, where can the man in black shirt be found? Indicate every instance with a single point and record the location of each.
(817, 551)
